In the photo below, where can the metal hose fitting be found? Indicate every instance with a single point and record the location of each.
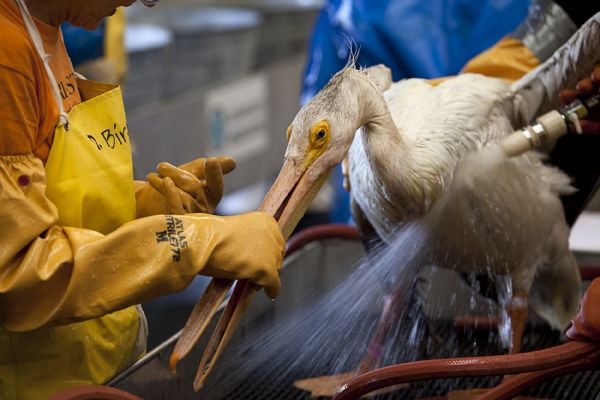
(550, 126)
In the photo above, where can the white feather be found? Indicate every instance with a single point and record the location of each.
(509, 221)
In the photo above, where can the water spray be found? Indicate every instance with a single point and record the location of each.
(551, 126)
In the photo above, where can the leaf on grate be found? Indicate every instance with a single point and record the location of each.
(328, 385)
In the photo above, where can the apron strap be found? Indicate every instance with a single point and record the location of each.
(39, 46)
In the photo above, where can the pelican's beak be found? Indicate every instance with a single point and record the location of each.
(293, 191)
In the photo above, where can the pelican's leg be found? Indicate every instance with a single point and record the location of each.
(517, 314)
(513, 294)
(517, 306)
(375, 348)
(328, 385)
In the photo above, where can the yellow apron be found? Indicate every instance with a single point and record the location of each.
(90, 179)
(89, 175)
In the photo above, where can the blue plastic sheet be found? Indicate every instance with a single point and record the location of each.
(415, 38)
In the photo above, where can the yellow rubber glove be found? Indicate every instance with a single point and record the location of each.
(193, 187)
(53, 274)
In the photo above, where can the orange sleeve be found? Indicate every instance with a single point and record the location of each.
(28, 110)
(19, 113)
(509, 59)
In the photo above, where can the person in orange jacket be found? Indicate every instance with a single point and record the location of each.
(82, 244)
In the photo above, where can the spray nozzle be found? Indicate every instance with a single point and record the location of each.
(551, 126)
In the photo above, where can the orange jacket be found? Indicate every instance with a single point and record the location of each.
(28, 110)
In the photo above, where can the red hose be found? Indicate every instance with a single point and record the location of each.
(94, 392)
(467, 366)
(522, 382)
(321, 232)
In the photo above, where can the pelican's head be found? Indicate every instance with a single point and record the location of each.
(319, 137)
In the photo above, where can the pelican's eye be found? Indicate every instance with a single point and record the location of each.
(320, 135)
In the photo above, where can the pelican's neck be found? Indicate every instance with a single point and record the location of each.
(393, 158)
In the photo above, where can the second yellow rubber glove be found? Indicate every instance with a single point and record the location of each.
(196, 186)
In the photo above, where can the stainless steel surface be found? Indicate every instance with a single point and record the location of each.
(148, 47)
(211, 44)
(311, 269)
(286, 27)
(178, 129)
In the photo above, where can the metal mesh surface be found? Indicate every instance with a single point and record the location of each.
(582, 385)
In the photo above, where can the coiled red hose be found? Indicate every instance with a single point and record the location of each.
(562, 355)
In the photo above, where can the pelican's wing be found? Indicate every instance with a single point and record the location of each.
(537, 92)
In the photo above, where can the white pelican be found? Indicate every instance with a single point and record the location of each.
(407, 143)
(405, 148)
